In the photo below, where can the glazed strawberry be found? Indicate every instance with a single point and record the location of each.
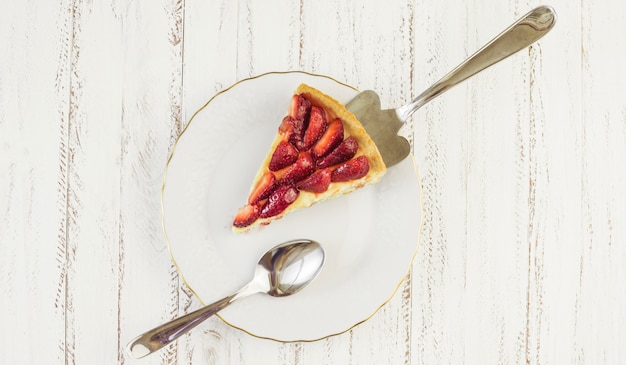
(263, 188)
(302, 168)
(299, 107)
(278, 201)
(318, 122)
(247, 215)
(286, 125)
(284, 155)
(293, 130)
(345, 151)
(316, 183)
(351, 170)
(329, 140)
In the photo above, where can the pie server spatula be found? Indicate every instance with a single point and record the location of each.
(383, 125)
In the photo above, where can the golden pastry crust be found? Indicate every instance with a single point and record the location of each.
(352, 127)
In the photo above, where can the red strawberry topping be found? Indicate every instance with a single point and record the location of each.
(317, 125)
(299, 107)
(303, 167)
(345, 151)
(329, 140)
(278, 201)
(286, 125)
(284, 155)
(316, 183)
(246, 215)
(351, 170)
(263, 188)
(293, 130)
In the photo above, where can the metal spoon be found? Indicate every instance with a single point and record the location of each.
(281, 271)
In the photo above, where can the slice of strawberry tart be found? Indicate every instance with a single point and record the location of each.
(321, 151)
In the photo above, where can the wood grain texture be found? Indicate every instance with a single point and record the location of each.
(602, 189)
(441, 150)
(522, 252)
(151, 103)
(93, 143)
(34, 97)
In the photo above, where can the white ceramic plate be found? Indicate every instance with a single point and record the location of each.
(370, 236)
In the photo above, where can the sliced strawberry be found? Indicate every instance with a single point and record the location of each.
(286, 126)
(246, 215)
(293, 130)
(317, 125)
(284, 155)
(279, 200)
(299, 108)
(263, 188)
(351, 170)
(329, 140)
(345, 151)
(302, 168)
(316, 183)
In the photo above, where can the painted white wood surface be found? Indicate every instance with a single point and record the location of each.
(523, 244)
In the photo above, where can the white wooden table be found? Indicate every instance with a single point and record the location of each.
(523, 245)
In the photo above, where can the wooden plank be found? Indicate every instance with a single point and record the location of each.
(441, 149)
(92, 198)
(600, 299)
(501, 211)
(210, 51)
(34, 78)
(554, 161)
(148, 285)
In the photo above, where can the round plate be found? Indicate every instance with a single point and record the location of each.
(370, 236)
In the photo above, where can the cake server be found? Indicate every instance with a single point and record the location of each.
(383, 125)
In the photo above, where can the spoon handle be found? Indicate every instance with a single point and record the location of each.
(516, 37)
(162, 335)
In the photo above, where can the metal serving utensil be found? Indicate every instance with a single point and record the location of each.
(383, 125)
(281, 271)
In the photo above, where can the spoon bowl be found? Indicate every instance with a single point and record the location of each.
(282, 271)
